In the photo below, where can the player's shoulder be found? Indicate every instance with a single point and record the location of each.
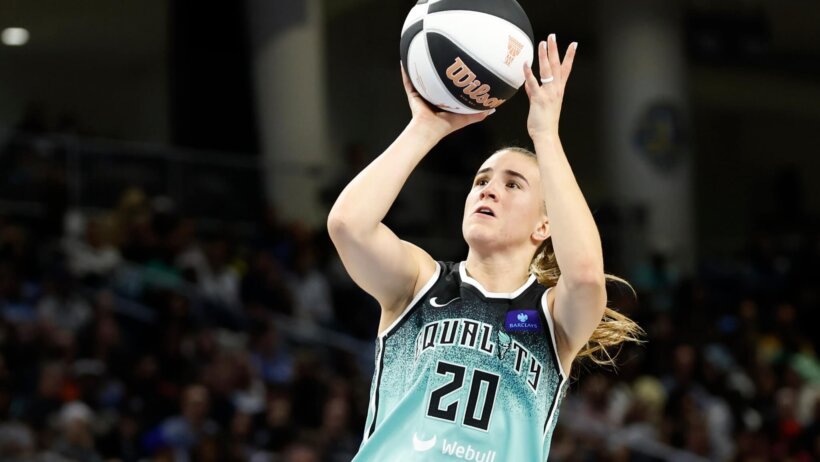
(445, 274)
(444, 280)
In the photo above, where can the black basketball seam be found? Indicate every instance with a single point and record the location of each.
(412, 26)
(407, 38)
(443, 86)
(485, 14)
(515, 15)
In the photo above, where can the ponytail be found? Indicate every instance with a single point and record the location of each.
(614, 329)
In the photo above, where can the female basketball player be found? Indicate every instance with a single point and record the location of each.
(473, 357)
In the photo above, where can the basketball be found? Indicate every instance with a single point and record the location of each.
(466, 56)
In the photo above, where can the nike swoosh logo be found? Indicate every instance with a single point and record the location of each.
(437, 305)
(422, 445)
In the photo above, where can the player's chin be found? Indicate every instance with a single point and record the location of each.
(478, 234)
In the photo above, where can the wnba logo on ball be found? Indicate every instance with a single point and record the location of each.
(463, 77)
(514, 48)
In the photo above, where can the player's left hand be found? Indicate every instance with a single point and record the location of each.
(547, 92)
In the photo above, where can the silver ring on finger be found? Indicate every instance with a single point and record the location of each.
(548, 79)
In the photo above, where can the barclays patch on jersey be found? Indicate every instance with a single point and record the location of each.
(522, 320)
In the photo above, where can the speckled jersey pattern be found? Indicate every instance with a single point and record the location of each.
(465, 374)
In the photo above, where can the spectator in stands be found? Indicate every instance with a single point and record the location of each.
(133, 217)
(76, 438)
(734, 348)
(264, 288)
(16, 443)
(301, 452)
(49, 394)
(210, 270)
(271, 357)
(93, 256)
(311, 290)
(338, 441)
(62, 306)
(122, 441)
(183, 432)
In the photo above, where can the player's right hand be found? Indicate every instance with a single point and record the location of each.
(441, 123)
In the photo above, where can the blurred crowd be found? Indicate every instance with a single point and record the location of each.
(140, 333)
(729, 371)
(137, 333)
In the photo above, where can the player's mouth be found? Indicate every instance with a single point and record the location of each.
(484, 211)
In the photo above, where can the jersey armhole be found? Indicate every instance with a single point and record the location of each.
(427, 286)
(545, 307)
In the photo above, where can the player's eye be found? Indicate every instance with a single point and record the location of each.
(480, 181)
(513, 184)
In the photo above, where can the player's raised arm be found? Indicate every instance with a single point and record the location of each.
(389, 269)
(580, 295)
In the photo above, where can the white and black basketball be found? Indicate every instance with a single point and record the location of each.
(466, 56)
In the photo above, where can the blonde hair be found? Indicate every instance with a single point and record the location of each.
(614, 330)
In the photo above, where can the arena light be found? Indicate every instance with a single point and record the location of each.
(15, 36)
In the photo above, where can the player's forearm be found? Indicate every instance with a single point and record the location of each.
(575, 236)
(365, 201)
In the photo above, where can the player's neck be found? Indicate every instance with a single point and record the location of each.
(498, 272)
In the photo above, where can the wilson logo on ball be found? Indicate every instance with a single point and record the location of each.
(463, 77)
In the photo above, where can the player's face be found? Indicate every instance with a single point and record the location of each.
(505, 205)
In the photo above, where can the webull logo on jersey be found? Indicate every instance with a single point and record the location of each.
(522, 320)
(454, 449)
(459, 451)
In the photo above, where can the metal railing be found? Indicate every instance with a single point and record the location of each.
(93, 173)
(295, 330)
(44, 172)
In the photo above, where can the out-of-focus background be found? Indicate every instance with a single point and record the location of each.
(168, 291)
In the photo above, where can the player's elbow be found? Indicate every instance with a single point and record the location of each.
(585, 275)
(590, 284)
(337, 224)
(342, 225)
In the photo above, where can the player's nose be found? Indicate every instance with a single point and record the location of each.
(489, 191)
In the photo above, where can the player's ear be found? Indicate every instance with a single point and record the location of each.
(542, 231)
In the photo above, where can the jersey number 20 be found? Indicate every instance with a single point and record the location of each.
(457, 373)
